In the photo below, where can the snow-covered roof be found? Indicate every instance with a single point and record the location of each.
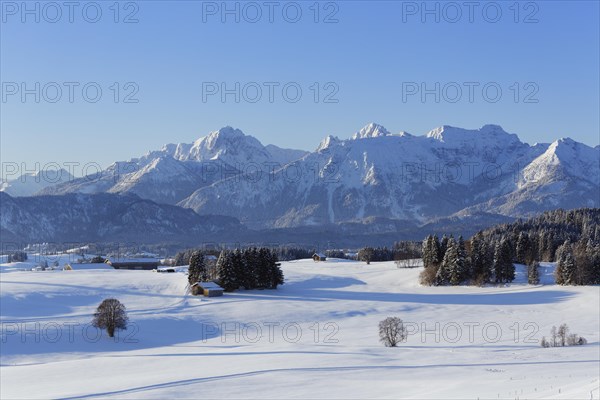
(134, 260)
(321, 255)
(208, 285)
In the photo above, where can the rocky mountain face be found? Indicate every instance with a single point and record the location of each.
(445, 172)
(172, 173)
(374, 184)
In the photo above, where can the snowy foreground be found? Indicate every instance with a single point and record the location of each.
(316, 337)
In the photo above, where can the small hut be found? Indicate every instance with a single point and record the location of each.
(319, 257)
(208, 289)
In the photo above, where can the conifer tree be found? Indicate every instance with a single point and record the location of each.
(481, 259)
(237, 259)
(533, 273)
(443, 246)
(523, 248)
(250, 260)
(464, 267)
(226, 271)
(197, 270)
(565, 267)
(430, 250)
(427, 261)
(447, 273)
(263, 268)
(593, 265)
(504, 269)
(276, 274)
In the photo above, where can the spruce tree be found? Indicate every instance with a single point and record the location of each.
(593, 252)
(276, 274)
(430, 250)
(262, 270)
(565, 267)
(481, 260)
(504, 269)
(523, 248)
(443, 246)
(463, 267)
(239, 267)
(197, 270)
(226, 271)
(250, 260)
(427, 253)
(533, 273)
(448, 273)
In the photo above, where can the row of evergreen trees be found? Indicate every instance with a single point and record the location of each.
(283, 253)
(252, 268)
(447, 261)
(400, 251)
(571, 238)
(577, 263)
(538, 238)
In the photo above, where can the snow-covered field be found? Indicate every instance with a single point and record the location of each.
(314, 337)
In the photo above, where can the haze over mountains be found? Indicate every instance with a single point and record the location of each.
(370, 183)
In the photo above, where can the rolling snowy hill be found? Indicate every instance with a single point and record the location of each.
(316, 336)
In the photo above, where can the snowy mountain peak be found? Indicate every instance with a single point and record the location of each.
(327, 143)
(447, 133)
(438, 133)
(227, 132)
(491, 128)
(224, 135)
(370, 131)
(30, 183)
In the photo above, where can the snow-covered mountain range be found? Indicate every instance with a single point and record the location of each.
(416, 178)
(172, 173)
(375, 179)
(31, 183)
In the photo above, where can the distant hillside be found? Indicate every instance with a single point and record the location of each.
(105, 217)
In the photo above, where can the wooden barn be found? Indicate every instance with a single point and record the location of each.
(319, 257)
(208, 289)
(146, 264)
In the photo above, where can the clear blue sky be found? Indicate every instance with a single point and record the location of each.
(370, 54)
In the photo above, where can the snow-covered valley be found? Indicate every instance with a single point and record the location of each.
(316, 336)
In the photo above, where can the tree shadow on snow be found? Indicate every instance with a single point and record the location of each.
(322, 288)
(57, 337)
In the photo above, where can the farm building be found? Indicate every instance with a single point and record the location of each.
(133, 263)
(319, 257)
(208, 289)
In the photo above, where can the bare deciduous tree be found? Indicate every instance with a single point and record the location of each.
(554, 336)
(110, 315)
(561, 337)
(408, 263)
(392, 331)
(563, 331)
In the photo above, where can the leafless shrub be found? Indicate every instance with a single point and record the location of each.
(427, 276)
